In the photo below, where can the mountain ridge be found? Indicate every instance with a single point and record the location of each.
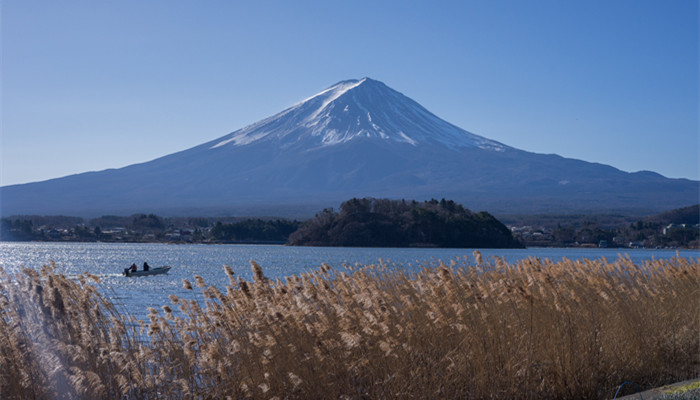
(357, 138)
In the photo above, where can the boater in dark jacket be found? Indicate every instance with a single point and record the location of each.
(146, 267)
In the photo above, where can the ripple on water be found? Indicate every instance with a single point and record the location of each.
(107, 260)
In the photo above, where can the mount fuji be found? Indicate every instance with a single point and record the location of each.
(357, 138)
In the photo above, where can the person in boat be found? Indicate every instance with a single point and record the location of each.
(146, 267)
(133, 267)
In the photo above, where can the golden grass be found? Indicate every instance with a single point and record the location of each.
(531, 330)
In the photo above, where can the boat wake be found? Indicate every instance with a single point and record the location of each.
(75, 276)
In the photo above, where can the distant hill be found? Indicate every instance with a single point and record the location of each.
(677, 228)
(358, 138)
(686, 215)
(396, 223)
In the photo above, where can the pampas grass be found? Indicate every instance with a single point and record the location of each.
(532, 330)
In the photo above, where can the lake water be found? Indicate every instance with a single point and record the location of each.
(107, 260)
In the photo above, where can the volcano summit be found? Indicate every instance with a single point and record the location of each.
(352, 110)
(357, 138)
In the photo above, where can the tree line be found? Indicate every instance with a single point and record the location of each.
(254, 230)
(678, 228)
(374, 222)
(365, 222)
(146, 228)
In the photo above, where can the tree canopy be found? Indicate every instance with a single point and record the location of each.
(370, 222)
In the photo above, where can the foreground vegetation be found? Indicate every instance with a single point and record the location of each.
(470, 329)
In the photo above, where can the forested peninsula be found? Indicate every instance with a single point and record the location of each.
(370, 222)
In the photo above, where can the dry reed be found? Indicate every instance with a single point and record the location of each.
(532, 330)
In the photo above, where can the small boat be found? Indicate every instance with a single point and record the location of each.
(152, 271)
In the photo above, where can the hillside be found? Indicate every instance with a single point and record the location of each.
(686, 215)
(396, 223)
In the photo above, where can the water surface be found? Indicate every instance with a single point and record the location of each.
(107, 260)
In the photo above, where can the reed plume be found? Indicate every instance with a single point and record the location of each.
(536, 329)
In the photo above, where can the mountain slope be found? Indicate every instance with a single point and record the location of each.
(357, 138)
(355, 109)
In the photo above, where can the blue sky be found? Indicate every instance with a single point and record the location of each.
(90, 85)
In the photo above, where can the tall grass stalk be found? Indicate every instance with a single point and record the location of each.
(532, 330)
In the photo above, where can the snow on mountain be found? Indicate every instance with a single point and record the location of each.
(355, 109)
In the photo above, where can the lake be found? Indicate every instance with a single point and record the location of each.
(107, 260)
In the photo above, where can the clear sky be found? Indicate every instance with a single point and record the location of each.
(89, 85)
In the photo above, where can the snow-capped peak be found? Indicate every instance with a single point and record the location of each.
(336, 90)
(331, 94)
(356, 109)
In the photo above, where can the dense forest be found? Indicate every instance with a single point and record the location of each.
(372, 222)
